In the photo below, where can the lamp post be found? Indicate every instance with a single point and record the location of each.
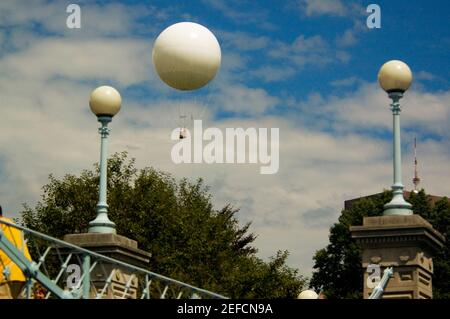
(105, 102)
(395, 78)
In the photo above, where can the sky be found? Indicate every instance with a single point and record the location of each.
(306, 67)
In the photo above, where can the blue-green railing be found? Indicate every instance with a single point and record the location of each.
(67, 271)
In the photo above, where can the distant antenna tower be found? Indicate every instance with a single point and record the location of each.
(416, 179)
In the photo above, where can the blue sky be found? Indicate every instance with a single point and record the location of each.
(411, 30)
(306, 67)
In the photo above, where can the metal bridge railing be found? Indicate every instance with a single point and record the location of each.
(63, 270)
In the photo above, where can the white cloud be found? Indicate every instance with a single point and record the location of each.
(113, 18)
(245, 101)
(347, 39)
(82, 60)
(270, 73)
(351, 36)
(242, 41)
(425, 76)
(323, 7)
(281, 60)
(369, 108)
(343, 56)
(240, 13)
(302, 51)
(350, 81)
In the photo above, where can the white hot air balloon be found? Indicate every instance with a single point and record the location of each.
(187, 56)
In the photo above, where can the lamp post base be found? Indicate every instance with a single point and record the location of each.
(101, 229)
(396, 211)
(397, 206)
(102, 225)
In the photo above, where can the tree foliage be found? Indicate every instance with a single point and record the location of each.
(337, 267)
(175, 221)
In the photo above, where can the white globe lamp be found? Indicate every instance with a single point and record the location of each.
(395, 76)
(105, 101)
(308, 294)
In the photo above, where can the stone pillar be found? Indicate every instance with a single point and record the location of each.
(407, 243)
(117, 247)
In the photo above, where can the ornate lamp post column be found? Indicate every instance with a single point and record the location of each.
(398, 239)
(105, 102)
(395, 78)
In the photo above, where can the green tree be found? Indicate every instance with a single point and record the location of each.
(421, 204)
(175, 221)
(440, 219)
(337, 267)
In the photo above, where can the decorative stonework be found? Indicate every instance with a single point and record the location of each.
(405, 242)
(120, 248)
